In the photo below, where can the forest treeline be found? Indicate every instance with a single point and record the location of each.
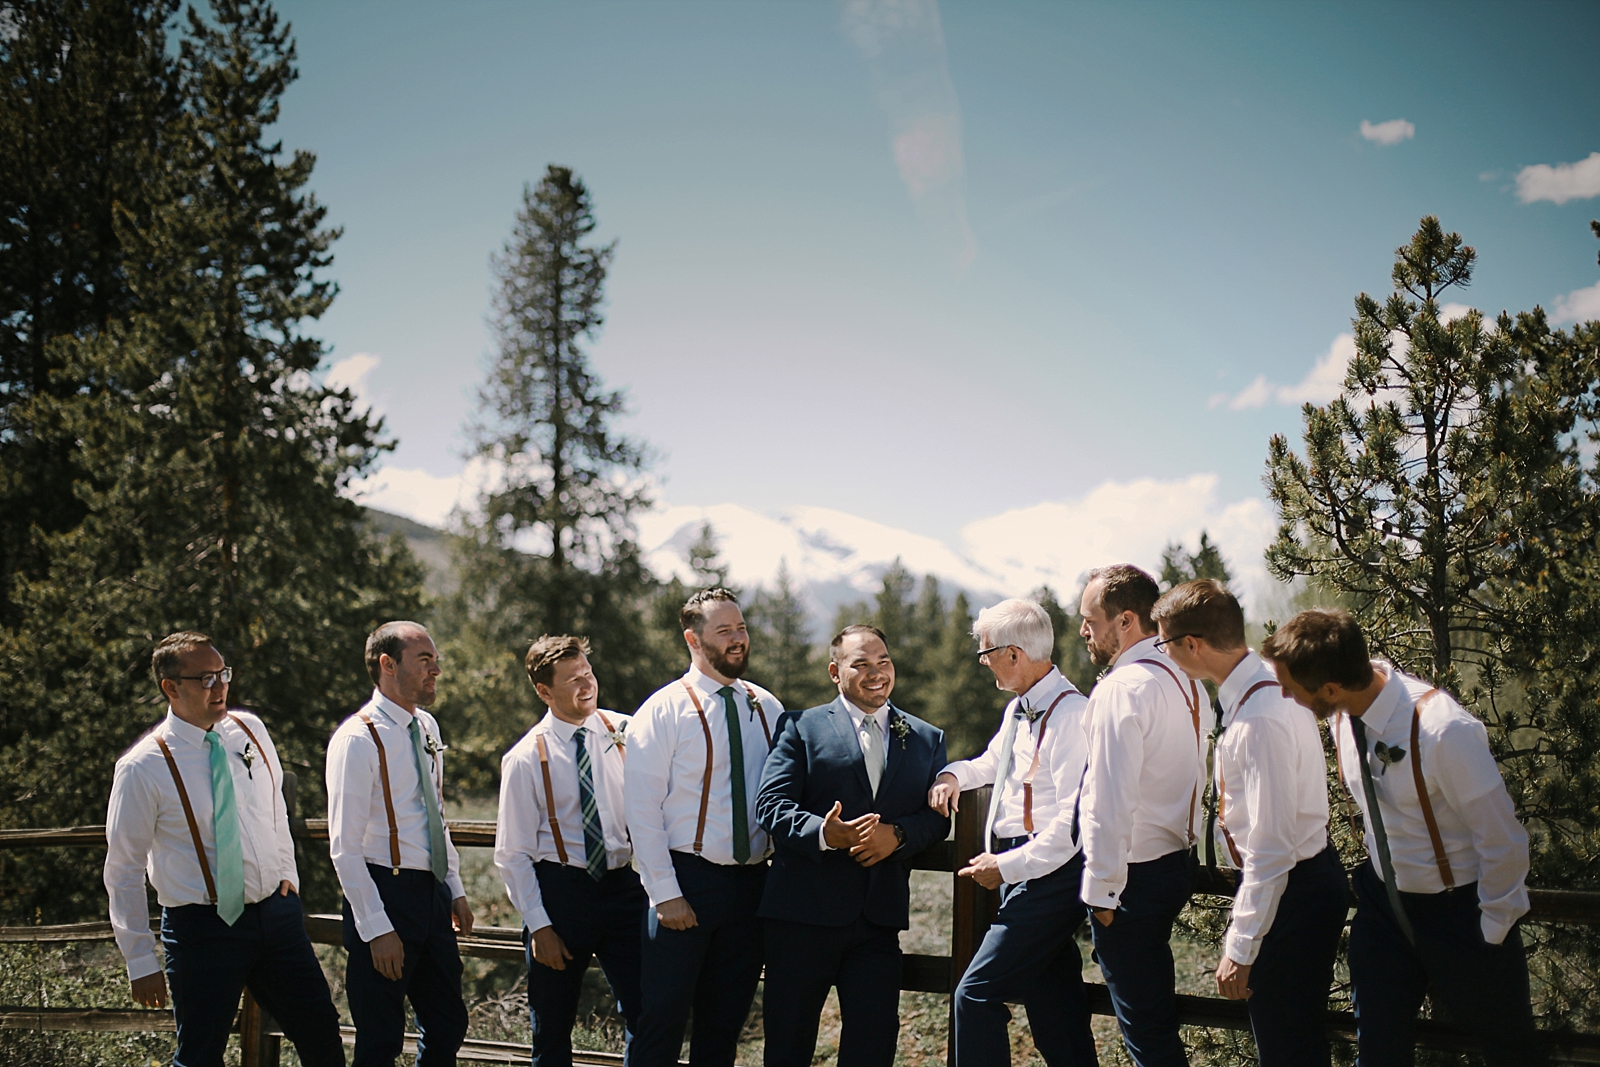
(169, 459)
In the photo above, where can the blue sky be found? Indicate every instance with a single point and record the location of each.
(926, 264)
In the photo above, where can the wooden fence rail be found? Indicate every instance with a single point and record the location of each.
(972, 912)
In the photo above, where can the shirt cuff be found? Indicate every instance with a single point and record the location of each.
(1240, 949)
(456, 888)
(822, 837)
(1013, 867)
(536, 919)
(142, 966)
(373, 926)
(1494, 929)
(1101, 895)
(662, 890)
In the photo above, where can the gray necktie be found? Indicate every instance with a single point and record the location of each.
(872, 751)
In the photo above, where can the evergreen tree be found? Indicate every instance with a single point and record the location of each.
(1178, 567)
(783, 656)
(551, 549)
(210, 467)
(705, 560)
(1071, 654)
(959, 694)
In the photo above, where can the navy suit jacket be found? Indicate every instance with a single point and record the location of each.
(816, 760)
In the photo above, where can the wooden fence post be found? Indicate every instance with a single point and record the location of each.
(257, 1047)
(972, 906)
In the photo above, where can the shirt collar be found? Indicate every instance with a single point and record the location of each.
(1039, 696)
(707, 684)
(1382, 711)
(564, 731)
(187, 732)
(392, 711)
(1142, 649)
(1250, 670)
(880, 716)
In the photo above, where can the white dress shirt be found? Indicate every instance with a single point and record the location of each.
(1055, 786)
(522, 835)
(1145, 765)
(358, 824)
(667, 766)
(146, 831)
(858, 720)
(1274, 778)
(1483, 841)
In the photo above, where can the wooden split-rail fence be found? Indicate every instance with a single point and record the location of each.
(972, 910)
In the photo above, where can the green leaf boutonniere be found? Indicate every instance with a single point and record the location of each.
(1388, 755)
(900, 728)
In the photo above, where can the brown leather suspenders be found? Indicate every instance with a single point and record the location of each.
(194, 827)
(1222, 783)
(705, 784)
(1445, 873)
(1033, 768)
(388, 797)
(550, 793)
(1194, 713)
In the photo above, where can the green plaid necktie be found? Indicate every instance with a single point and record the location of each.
(594, 838)
(225, 830)
(437, 859)
(741, 816)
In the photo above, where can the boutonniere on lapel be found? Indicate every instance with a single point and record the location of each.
(755, 705)
(617, 735)
(432, 745)
(1387, 755)
(248, 756)
(899, 728)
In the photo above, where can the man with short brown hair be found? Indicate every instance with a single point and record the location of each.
(561, 844)
(1271, 827)
(1439, 900)
(188, 807)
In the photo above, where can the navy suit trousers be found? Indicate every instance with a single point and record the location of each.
(711, 968)
(1135, 956)
(593, 919)
(1029, 955)
(209, 963)
(419, 907)
(803, 961)
(1482, 987)
(1293, 971)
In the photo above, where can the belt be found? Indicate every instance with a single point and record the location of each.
(1006, 844)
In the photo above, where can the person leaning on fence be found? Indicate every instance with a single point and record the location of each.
(1440, 896)
(1035, 764)
(561, 844)
(844, 797)
(1139, 807)
(1271, 825)
(198, 803)
(695, 753)
(403, 900)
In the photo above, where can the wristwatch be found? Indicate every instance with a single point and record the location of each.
(899, 834)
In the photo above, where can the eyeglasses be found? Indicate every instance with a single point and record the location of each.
(209, 679)
(1163, 642)
(985, 653)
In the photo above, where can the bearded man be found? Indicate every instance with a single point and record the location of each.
(1139, 804)
(696, 750)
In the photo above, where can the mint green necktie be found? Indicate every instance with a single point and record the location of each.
(430, 800)
(225, 830)
(741, 817)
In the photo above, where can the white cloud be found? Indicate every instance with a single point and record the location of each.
(1321, 385)
(1560, 183)
(351, 373)
(1580, 305)
(420, 496)
(1392, 132)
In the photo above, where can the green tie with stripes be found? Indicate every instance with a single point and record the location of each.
(594, 838)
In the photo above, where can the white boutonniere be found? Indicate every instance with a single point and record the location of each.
(617, 735)
(249, 756)
(755, 704)
(899, 728)
(432, 745)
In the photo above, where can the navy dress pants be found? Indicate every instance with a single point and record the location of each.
(1029, 955)
(209, 963)
(711, 968)
(593, 919)
(1136, 958)
(805, 960)
(1482, 987)
(1290, 979)
(419, 907)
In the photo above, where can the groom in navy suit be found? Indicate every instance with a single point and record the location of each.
(844, 797)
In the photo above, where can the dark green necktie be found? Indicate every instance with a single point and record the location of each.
(741, 817)
(1359, 731)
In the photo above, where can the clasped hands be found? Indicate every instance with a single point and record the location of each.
(868, 838)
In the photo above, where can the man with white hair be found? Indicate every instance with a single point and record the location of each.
(1035, 763)
(1140, 800)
